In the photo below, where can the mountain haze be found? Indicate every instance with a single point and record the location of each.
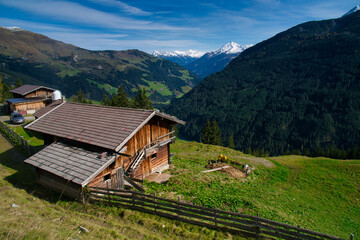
(297, 90)
(37, 59)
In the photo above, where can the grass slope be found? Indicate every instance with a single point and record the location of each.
(43, 214)
(316, 193)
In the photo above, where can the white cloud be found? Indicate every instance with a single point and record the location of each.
(122, 6)
(74, 12)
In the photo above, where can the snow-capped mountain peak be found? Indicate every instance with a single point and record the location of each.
(14, 29)
(232, 48)
(176, 53)
(355, 9)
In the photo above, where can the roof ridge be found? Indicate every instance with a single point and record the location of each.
(114, 107)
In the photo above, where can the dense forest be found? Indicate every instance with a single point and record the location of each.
(39, 60)
(297, 92)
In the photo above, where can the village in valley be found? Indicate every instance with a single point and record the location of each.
(252, 141)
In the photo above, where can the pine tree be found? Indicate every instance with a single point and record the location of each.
(215, 134)
(141, 100)
(230, 142)
(122, 98)
(206, 133)
(80, 98)
(18, 83)
(106, 100)
(114, 100)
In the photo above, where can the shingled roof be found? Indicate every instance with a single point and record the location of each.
(107, 127)
(25, 89)
(48, 108)
(70, 162)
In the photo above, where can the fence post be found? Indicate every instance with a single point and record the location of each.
(133, 199)
(108, 192)
(155, 204)
(179, 200)
(352, 236)
(258, 225)
(215, 212)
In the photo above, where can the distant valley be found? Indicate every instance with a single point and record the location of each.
(37, 59)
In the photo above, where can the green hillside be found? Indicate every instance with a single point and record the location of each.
(37, 59)
(41, 214)
(298, 90)
(316, 193)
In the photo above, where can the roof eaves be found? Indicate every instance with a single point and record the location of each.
(169, 117)
(135, 131)
(44, 115)
(92, 176)
(36, 87)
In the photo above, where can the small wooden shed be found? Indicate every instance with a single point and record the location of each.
(89, 145)
(30, 98)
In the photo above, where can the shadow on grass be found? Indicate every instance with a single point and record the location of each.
(25, 176)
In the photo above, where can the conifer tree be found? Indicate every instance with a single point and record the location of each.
(106, 100)
(80, 98)
(230, 142)
(122, 99)
(114, 100)
(215, 134)
(211, 133)
(141, 100)
(18, 83)
(206, 133)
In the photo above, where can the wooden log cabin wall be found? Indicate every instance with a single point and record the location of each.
(24, 107)
(151, 132)
(134, 141)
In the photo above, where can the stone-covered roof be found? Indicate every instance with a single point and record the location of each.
(48, 108)
(25, 89)
(107, 127)
(72, 163)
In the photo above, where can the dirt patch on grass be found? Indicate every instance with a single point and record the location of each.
(229, 170)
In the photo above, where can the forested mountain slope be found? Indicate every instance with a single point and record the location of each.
(297, 90)
(37, 59)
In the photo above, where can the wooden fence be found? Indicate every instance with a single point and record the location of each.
(237, 223)
(15, 138)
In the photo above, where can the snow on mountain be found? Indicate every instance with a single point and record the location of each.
(355, 9)
(204, 63)
(14, 29)
(176, 53)
(232, 48)
(217, 60)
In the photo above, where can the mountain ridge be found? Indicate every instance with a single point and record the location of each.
(295, 91)
(40, 60)
(216, 60)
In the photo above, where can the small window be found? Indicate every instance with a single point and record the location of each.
(153, 156)
(107, 177)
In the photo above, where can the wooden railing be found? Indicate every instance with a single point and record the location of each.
(207, 217)
(15, 138)
(148, 149)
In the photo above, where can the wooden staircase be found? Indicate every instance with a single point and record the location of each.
(139, 157)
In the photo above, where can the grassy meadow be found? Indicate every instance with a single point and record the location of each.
(316, 193)
(39, 213)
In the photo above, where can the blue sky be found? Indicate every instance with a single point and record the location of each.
(164, 25)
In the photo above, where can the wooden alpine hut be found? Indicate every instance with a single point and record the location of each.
(30, 98)
(91, 145)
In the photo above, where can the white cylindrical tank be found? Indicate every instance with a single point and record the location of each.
(56, 95)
